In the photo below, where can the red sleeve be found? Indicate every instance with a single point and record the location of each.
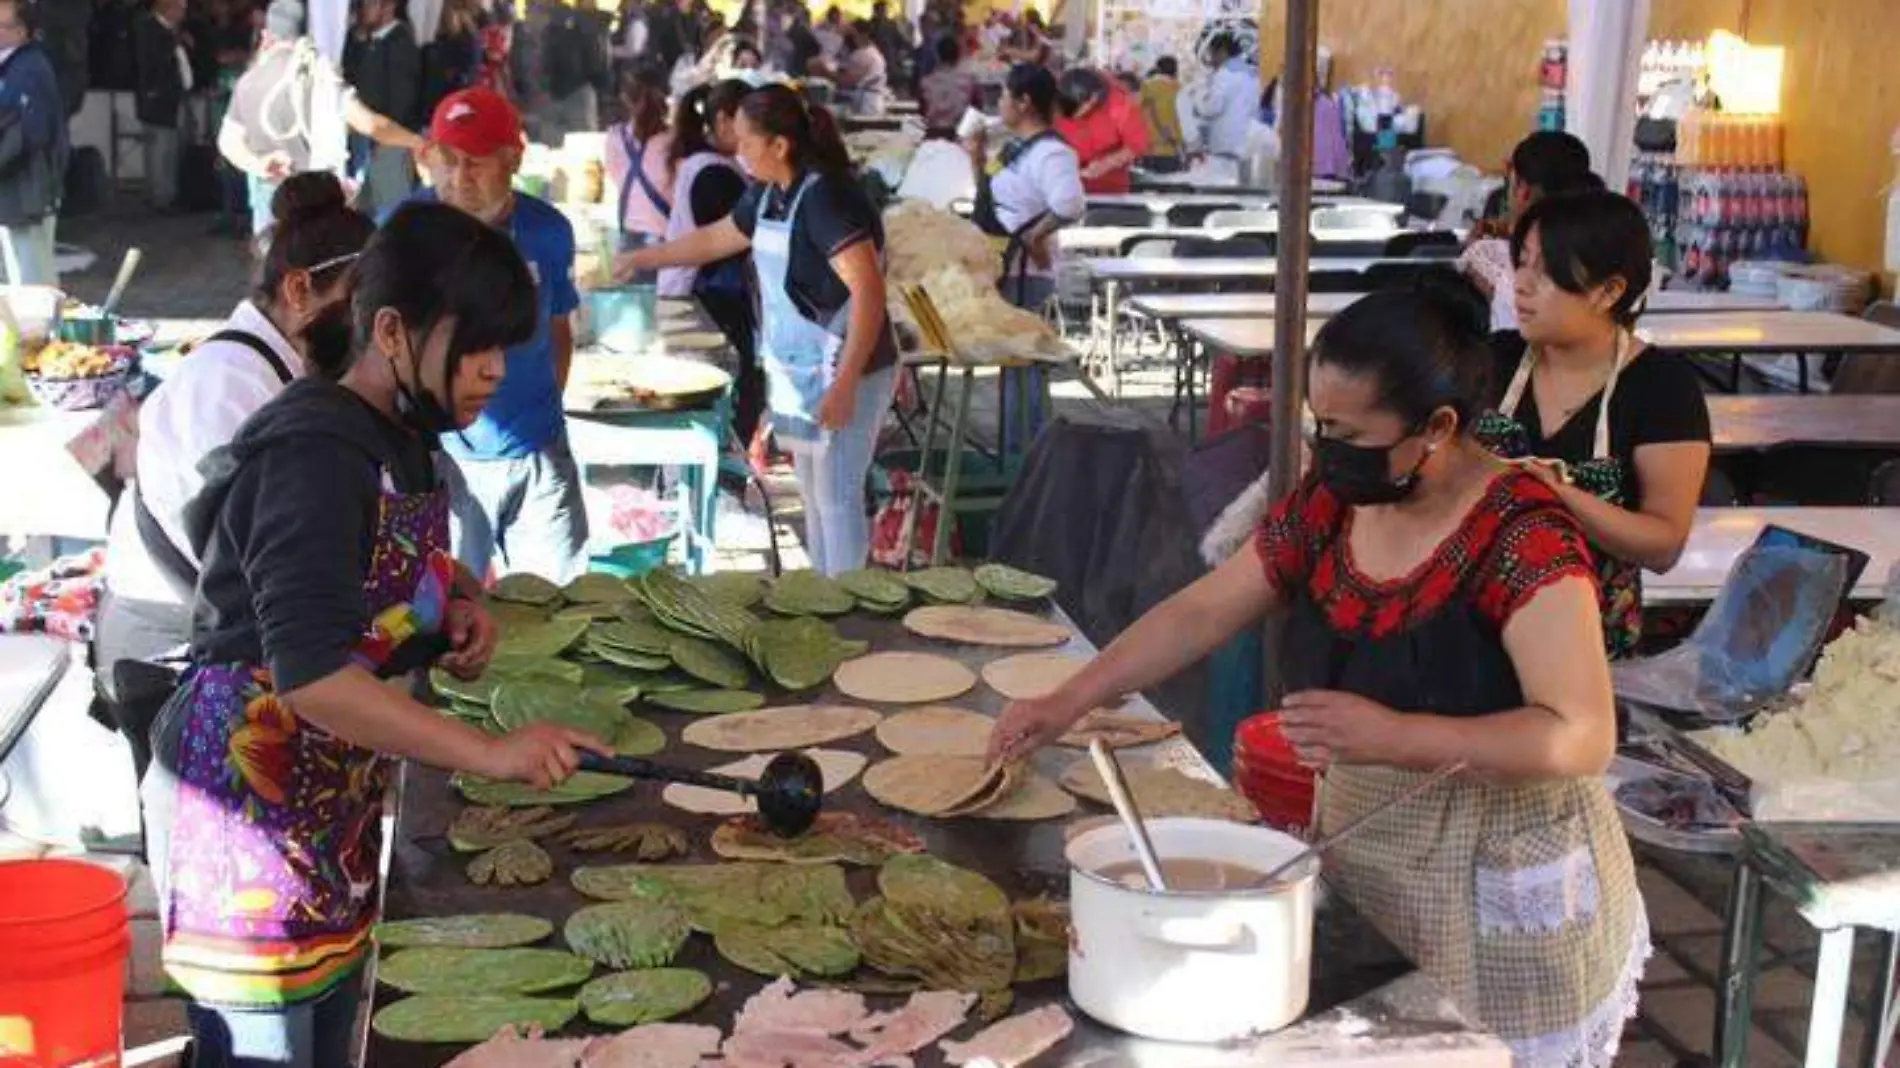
(1133, 125)
(1534, 549)
(1286, 541)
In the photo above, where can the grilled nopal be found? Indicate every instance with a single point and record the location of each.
(628, 934)
(646, 841)
(949, 927)
(516, 863)
(481, 827)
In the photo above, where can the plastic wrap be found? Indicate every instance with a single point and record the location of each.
(1759, 637)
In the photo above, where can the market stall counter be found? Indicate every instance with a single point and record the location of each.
(1367, 1005)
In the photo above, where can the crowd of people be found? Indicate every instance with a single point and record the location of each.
(326, 486)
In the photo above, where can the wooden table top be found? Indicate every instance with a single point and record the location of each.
(1769, 332)
(1263, 305)
(1845, 421)
(1720, 535)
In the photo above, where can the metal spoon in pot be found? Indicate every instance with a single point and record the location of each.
(1124, 801)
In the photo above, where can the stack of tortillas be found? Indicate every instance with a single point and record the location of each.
(945, 787)
(941, 771)
(838, 767)
(1118, 731)
(903, 678)
(772, 729)
(985, 626)
(1162, 791)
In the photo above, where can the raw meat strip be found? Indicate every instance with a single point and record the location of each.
(655, 1045)
(511, 1049)
(778, 1009)
(1015, 1041)
(927, 1017)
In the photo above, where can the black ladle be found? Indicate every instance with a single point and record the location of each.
(789, 792)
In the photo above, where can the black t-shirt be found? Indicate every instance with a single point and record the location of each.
(716, 191)
(1658, 401)
(834, 215)
(286, 528)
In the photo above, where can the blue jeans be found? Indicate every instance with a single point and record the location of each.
(313, 1034)
(831, 480)
(527, 514)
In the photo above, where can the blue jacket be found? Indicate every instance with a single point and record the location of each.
(33, 137)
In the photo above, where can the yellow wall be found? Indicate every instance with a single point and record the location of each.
(1841, 98)
(1472, 64)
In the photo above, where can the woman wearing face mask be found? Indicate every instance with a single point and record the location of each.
(1619, 433)
(824, 340)
(323, 528)
(1424, 583)
(301, 291)
(710, 184)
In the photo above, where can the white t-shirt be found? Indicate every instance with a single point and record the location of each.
(198, 408)
(1045, 180)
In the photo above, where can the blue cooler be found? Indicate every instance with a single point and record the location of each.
(623, 317)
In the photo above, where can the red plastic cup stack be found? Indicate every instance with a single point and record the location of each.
(1268, 773)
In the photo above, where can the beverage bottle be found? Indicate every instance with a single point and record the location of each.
(1671, 193)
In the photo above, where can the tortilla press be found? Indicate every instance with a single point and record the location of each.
(789, 792)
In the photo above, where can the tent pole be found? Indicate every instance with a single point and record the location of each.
(1297, 80)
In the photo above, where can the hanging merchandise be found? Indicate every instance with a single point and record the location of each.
(1553, 77)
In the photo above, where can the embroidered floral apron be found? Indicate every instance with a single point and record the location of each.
(276, 838)
(1604, 476)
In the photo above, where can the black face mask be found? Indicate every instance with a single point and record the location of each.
(1359, 474)
(421, 411)
(326, 341)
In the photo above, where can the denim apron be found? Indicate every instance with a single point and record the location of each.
(800, 359)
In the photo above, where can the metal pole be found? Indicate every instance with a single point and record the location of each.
(1297, 80)
(1296, 207)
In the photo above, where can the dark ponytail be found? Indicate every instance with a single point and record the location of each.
(645, 103)
(695, 114)
(811, 128)
(313, 228)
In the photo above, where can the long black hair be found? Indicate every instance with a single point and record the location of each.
(1424, 348)
(431, 263)
(1032, 84)
(695, 115)
(1587, 239)
(313, 228)
(817, 145)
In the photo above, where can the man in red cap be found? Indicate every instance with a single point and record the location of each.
(517, 489)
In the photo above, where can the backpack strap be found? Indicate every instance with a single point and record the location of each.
(258, 345)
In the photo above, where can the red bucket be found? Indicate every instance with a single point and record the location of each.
(1268, 773)
(63, 949)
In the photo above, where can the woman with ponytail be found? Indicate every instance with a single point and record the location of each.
(638, 151)
(327, 581)
(709, 184)
(301, 291)
(825, 341)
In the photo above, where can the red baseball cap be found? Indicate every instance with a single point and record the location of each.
(477, 122)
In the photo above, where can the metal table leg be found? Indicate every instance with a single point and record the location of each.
(1741, 953)
(953, 474)
(917, 490)
(1113, 293)
(1833, 974)
(1878, 1038)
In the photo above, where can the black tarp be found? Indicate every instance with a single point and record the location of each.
(1102, 510)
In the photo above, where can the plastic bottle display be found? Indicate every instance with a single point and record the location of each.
(1726, 216)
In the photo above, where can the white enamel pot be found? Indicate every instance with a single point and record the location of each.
(1191, 967)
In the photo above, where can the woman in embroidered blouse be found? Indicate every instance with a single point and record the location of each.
(1426, 583)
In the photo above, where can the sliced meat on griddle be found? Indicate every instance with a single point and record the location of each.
(655, 1045)
(511, 1049)
(927, 1017)
(1015, 1041)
